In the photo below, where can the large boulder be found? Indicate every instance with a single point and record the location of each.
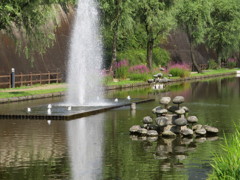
(210, 129)
(172, 109)
(156, 109)
(147, 120)
(180, 122)
(168, 134)
(178, 100)
(152, 133)
(134, 129)
(142, 131)
(201, 132)
(192, 119)
(187, 132)
(161, 121)
(165, 100)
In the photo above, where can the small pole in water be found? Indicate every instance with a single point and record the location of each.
(116, 100)
(69, 108)
(49, 122)
(128, 97)
(133, 106)
(49, 106)
(49, 111)
(28, 109)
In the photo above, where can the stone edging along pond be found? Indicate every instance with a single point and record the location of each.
(114, 87)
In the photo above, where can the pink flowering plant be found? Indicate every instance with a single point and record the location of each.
(231, 62)
(139, 73)
(120, 69)
(179, 69)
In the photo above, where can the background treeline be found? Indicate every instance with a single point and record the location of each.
(132, 29)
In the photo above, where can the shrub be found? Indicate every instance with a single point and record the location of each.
(120, 69)
(212, 64)
(179, 69)
(231, 63)
(139, 69)
(139, 77)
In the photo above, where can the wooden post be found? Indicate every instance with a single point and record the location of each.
(40, 78)
(57, 76)
(21, 79)
(31, 78)
(48, 77)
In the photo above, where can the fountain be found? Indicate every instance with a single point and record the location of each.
(85, 59)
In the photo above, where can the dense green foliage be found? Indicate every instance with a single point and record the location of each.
(131, 29)
(212, 64)
(31, 23)
(226, 166)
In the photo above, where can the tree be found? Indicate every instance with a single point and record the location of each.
(117, 19)
(27, 22)
(158, 20)
(223, 35)
(193, 16)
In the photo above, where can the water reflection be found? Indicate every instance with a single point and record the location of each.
(85, 139)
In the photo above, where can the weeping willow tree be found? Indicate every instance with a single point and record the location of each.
(31, 23)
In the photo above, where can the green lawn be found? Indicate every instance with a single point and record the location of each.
(29, 93)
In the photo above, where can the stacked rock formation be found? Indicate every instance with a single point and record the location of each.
(159, 79)
(171, 121)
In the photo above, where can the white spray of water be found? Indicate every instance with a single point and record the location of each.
(85, 59)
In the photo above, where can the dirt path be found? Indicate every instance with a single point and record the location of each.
(34, 88)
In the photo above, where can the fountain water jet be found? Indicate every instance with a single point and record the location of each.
(85, 58)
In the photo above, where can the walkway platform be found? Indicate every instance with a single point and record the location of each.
(61, 112)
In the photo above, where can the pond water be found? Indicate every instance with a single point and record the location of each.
(99, 147)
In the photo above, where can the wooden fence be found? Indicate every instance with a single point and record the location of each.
(30, 79)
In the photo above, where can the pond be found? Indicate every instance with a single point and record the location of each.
(100, 147)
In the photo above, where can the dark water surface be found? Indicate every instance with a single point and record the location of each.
(100, 147)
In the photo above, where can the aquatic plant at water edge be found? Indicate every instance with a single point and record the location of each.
(120, 69)
(226, 166)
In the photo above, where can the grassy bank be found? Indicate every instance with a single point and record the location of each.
(226, 166)
(29, 93)
(52, 88)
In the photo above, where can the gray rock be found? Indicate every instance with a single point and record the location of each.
(186, 109)
(156, 108)
(134, 129)
(168, 134)
(172, 128)
(161, 121)
(165, 80)
(160, 75)
(211, 130)
(165, 100)
(197, 126)
(180, 111)
(152, 133)
(161, 69)
(169, 75)
(142, 131)
(178, 100)
(144, 126)
(152, 127)
(201, 132)
(172, 109)
(161, 111)
(152, 138)
(180, 122)
(192, 119)
(155, 75)
(187, 132)
(147, 120)
(200, 139)
(150, 81)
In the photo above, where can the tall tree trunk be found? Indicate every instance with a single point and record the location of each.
(114, 49)
(193, 58)
(149, 53)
